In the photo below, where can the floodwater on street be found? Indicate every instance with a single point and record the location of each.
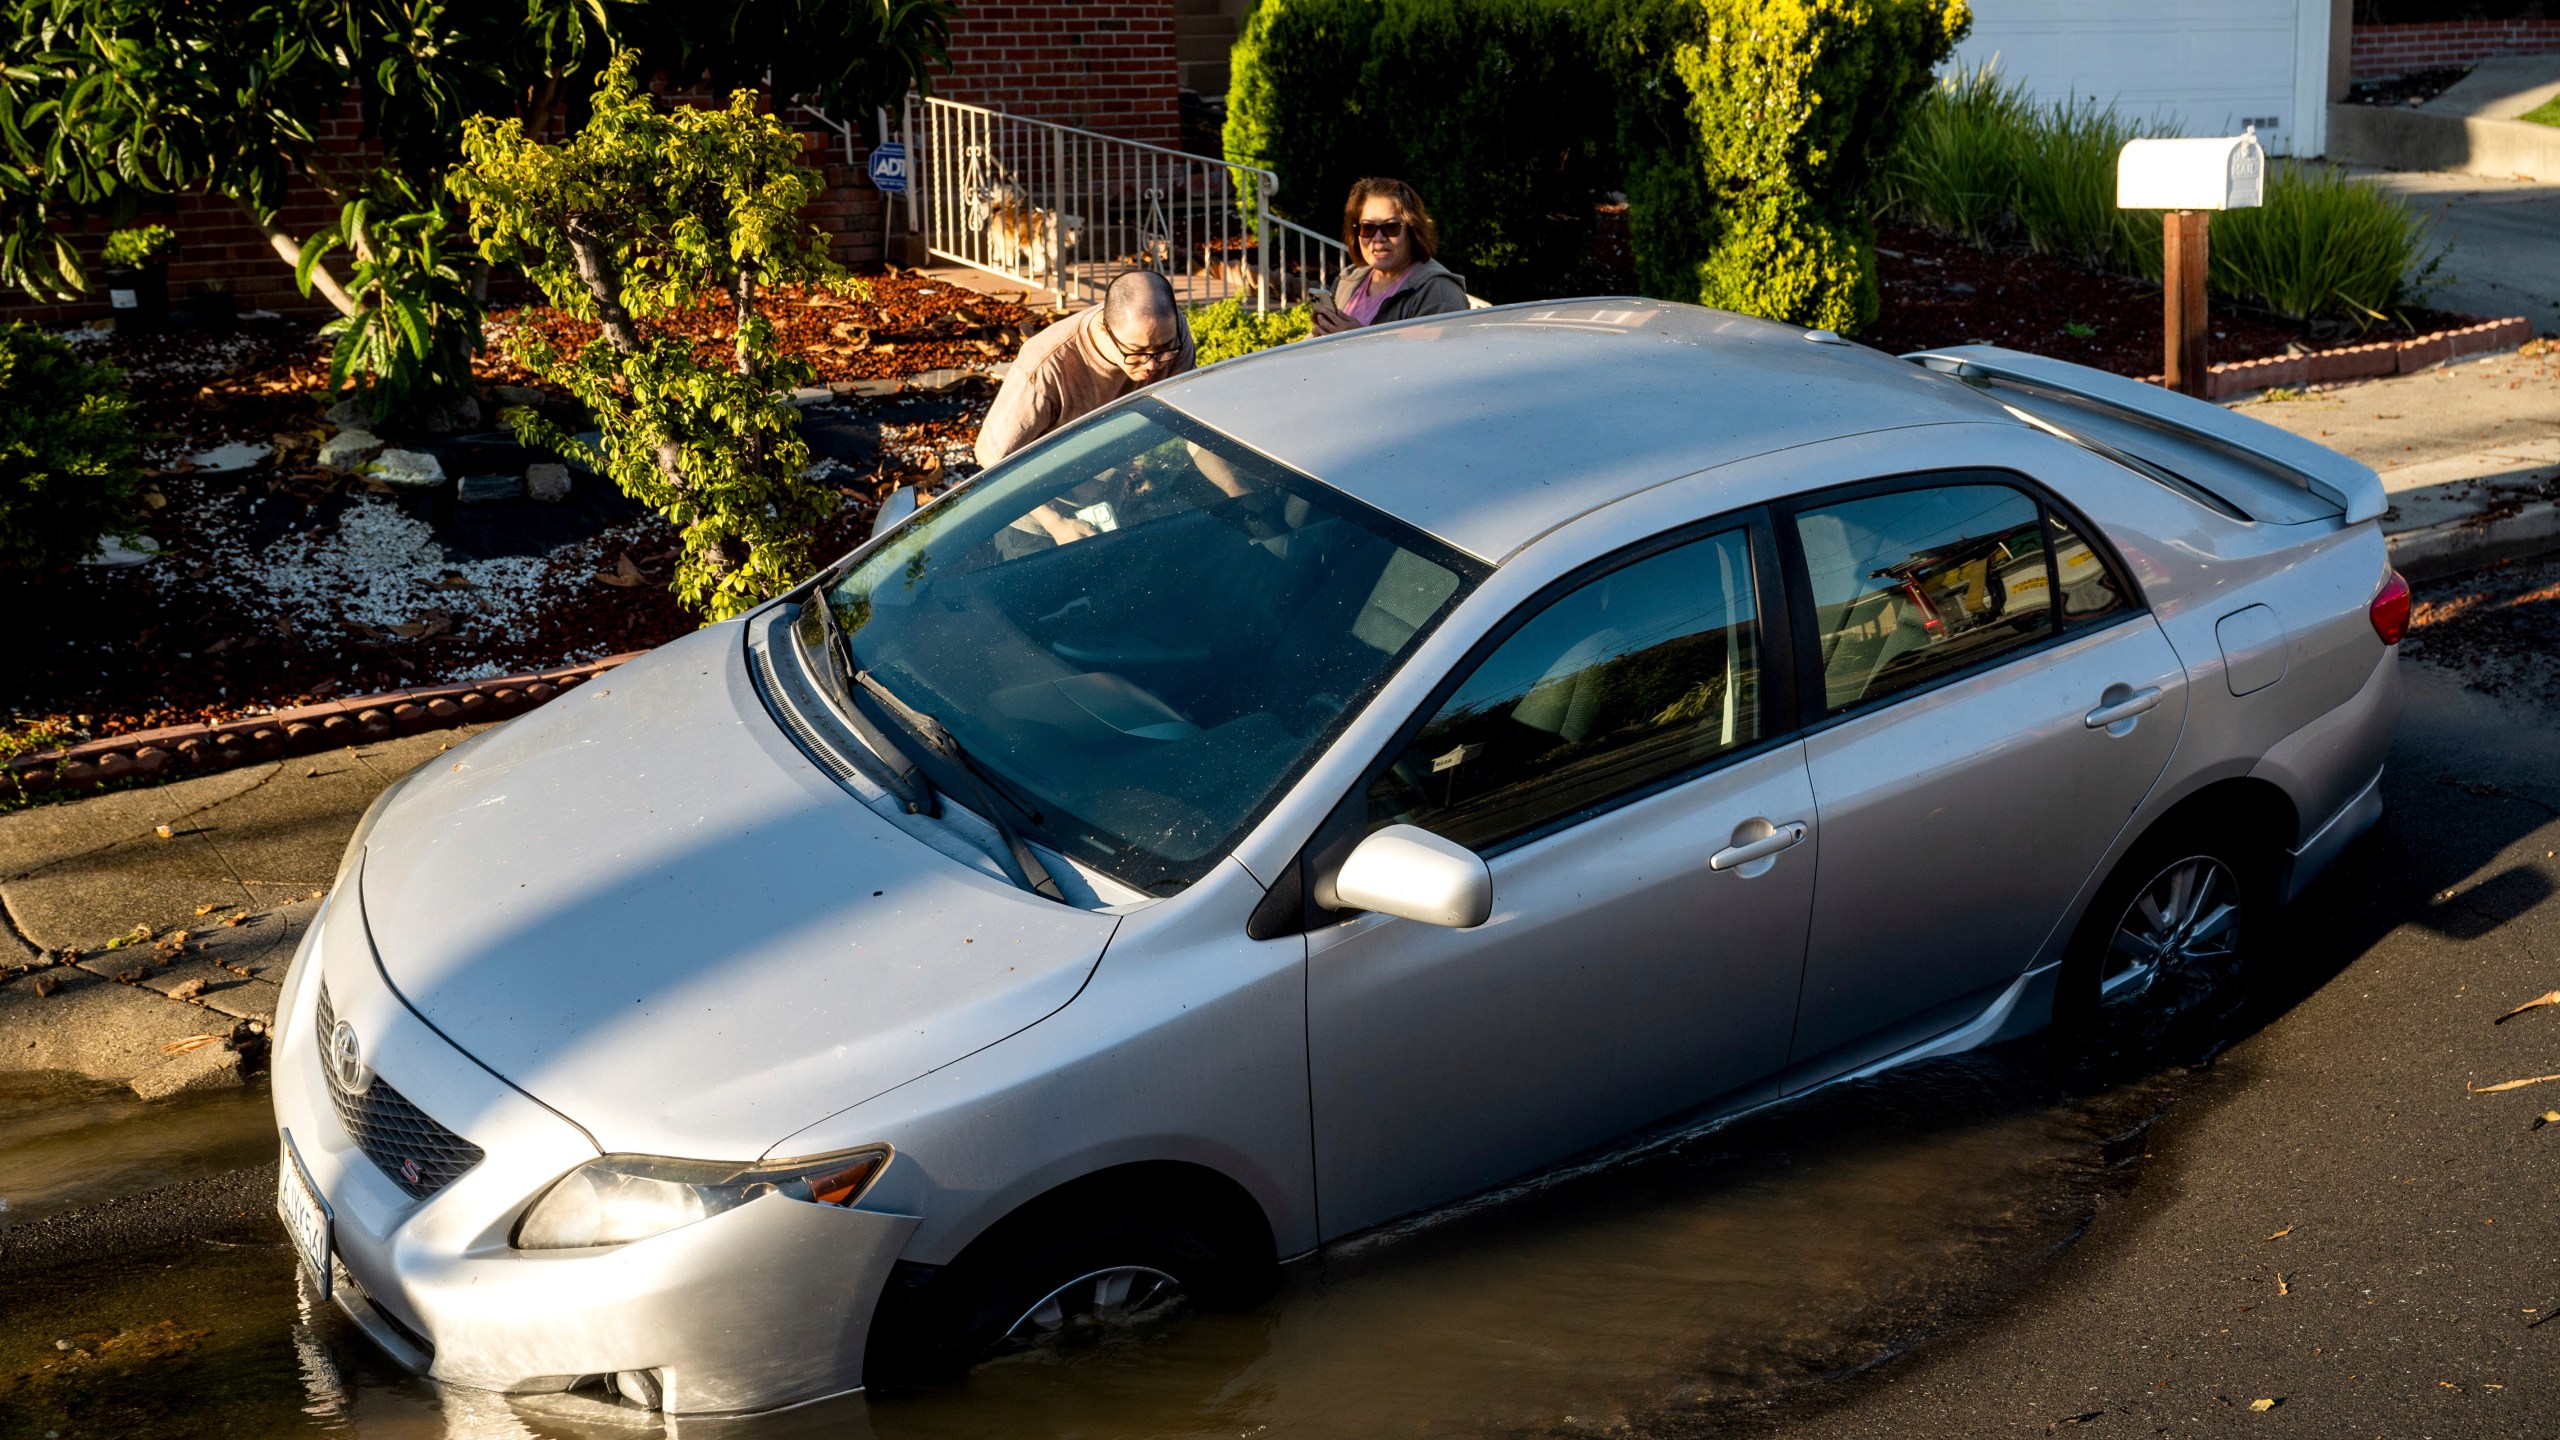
(1678, 1291)
(66, 1141)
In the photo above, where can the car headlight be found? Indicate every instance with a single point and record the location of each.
(622, 1198)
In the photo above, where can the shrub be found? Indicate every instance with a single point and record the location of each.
(1985, 164)
(1752, 133)
(633, 218)
(1484, 105)
(1228, 329)
(1294, 103)
(69, 458)
(1489, 108)
(134, 248)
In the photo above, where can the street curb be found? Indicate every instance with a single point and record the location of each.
(2457, 546)
(2364, 362)
(204, 748)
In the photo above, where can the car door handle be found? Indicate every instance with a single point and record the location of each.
(1767, 845)
(2122, 710)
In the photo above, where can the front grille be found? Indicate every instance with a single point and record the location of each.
(421, 1156)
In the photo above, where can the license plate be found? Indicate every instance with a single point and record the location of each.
(306, 1216)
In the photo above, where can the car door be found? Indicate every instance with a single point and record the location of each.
(1987, 703)
(1615, 757)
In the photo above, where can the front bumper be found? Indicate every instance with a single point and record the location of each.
(764, 1306)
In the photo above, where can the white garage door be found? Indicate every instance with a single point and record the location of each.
(2211, 66)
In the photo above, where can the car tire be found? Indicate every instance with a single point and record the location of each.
(2169, 938)
(1057, 1277)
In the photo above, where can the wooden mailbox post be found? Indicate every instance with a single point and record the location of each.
(2188, 180)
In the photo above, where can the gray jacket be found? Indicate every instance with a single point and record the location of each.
(1430, 288)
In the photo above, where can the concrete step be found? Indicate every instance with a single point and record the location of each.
(2401, 139)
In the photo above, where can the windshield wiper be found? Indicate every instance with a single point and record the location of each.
(1021, 865)
(890, 767)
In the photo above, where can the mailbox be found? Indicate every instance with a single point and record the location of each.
(2222, 173)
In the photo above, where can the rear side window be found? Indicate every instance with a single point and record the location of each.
(1914, 584)
(1643, 673)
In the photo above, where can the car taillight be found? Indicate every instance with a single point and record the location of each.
(2390, 608)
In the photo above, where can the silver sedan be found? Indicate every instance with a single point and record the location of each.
(1310, 792)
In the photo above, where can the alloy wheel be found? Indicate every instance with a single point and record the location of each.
(1118, 1295)
(2178, 938)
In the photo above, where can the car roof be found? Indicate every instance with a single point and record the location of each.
(1489, 428)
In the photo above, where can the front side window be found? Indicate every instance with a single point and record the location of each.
(1626, 681)
(1142, 631)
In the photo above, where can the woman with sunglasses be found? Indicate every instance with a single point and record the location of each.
(1390, 232)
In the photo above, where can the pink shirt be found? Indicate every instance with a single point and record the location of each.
(1364, 305)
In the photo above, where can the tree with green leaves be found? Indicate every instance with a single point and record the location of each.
(634, 218)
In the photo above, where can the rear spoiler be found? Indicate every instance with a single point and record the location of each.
(2351, 485)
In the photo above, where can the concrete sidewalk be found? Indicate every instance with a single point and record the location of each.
(2469, 453)
(247, 856)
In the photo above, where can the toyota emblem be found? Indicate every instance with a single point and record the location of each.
(347, 1069)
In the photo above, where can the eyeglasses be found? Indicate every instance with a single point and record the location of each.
(1151, 355)
(1381, 229)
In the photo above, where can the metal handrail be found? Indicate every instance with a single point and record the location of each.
(1065, 209)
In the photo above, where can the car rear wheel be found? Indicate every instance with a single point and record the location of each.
(2169, 938)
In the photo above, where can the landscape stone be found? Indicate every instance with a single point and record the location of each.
(479, 489)
(407, 469)
(114, 553)
(349, 448)
(209, 1067)
(350, 415)
(462, 414)
(547, 482)
(518, 395)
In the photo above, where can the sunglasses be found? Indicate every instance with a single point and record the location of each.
(1381, 229)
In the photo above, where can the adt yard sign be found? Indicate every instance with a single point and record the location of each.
(889, 168)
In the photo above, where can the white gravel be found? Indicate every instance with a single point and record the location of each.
(380, 566)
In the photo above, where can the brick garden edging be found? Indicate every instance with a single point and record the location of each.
(203, 748)
(2365, 362)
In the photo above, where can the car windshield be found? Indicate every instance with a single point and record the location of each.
(1143, 631)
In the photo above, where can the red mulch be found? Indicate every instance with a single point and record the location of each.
(1939, 291)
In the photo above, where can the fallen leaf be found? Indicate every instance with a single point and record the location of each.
(2083, 1418)
(624, 574)
(2281, 1233)
(192, 1042)
(209, 907)
(365, 630)
(2281, 1287)
(2262, 1406)
(46, 985)
(2507, 1084)
(236, 921)
(164, 832)
(2550, 998)
(2547, 1117)
(187, 989)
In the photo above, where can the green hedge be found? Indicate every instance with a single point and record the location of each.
(1747, 133)
(70, 460)
(1753, 133)
(1493, 109)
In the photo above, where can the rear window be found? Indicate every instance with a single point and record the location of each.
(2221, 477)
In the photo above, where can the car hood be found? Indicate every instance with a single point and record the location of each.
(644, 907)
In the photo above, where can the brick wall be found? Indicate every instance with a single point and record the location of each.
(1106, 65)
(2400, 49)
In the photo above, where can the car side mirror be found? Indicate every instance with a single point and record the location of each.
(1415, 875)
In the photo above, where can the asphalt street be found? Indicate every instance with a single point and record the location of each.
(2330, 1234)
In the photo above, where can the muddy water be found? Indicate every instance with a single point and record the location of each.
(66, 1141)
(1678, 1292)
